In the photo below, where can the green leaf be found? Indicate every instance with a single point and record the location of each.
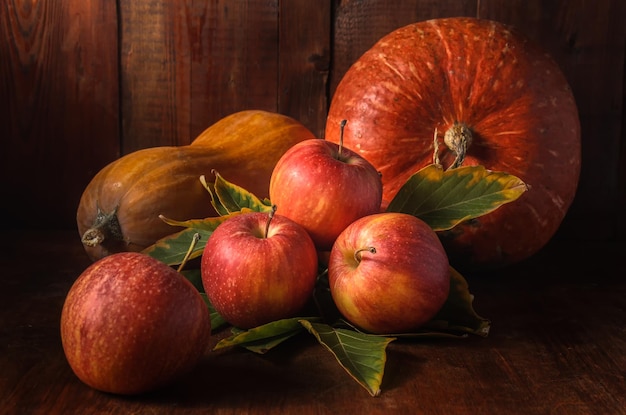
(195, 277)
(263, 338)
(173, 248)
(362, 355)
(217, 321)
(323, 299)
(232, 198)
(457, 314)
(443, 199)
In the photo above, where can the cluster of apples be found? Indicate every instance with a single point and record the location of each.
(388, 272)
(131, 324)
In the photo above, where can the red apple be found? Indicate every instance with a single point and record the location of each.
(324, 187)
(131, 324)
(388, 273)
(257, 268)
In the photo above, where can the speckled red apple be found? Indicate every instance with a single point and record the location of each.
(131, 324)
(257, 269)
(388, 273)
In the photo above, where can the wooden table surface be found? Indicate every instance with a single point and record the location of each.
(557, 346)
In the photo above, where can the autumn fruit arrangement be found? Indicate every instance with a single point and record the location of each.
(119, 210)
(451, 145)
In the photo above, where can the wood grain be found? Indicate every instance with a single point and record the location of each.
(148, 74)
(304, 61)
(59, 113)
(185, 65)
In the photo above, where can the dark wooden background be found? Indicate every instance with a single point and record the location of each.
(85, 81)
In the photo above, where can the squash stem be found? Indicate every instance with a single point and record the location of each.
(105, 226)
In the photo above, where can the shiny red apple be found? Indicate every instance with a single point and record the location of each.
(324, 187)
(388, 273)
(131, 324)
(257, 268)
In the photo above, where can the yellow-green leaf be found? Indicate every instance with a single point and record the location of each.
(445, 198)
(173, 248)
(206, 224)
(457, 314)
(231, 198)
(217, 205)
(263, 338)
(362, 355)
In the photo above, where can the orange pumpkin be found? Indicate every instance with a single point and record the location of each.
(495, 99)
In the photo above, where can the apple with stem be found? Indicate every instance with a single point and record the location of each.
(131, 324)
(258, 267)
(324, 187)
(388, 273)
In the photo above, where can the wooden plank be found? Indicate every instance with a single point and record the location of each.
(150, 114)
(236, 61)
(304, 61)
(58, 106)
(187, 64)
(587, 40)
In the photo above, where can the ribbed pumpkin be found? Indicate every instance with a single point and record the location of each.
(119, 209)
(494, 98)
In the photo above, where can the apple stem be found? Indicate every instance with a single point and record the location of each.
(357, 253)
(192, 245)
(342, 125)
(458, 138)
(269, 219)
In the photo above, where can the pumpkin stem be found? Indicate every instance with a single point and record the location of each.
(458, 138)
(357, 253)
(436, 148)
(105, 226)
